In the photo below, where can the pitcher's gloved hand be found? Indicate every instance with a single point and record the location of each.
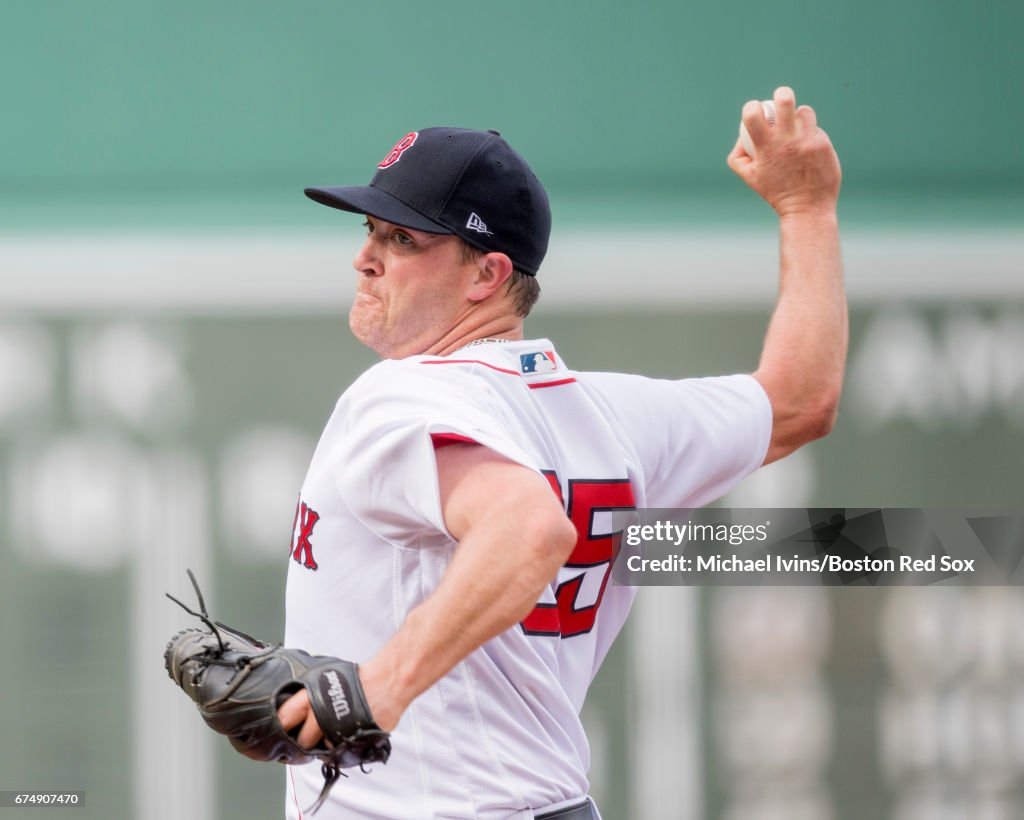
(238, 683)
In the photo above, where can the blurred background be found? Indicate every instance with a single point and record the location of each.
(172, 338)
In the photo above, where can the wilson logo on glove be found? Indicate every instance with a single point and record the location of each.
(237, 681)
(336, 694)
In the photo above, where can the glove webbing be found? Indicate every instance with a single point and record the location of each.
(330, 770)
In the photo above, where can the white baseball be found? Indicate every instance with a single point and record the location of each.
(769, 113)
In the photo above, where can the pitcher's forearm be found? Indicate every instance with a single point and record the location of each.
(804, 353)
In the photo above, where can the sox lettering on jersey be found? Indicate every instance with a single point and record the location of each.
(594, 554)
(302, 530)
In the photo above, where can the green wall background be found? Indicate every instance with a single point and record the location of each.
(207, 112)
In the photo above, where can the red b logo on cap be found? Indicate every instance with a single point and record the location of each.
(395, 154)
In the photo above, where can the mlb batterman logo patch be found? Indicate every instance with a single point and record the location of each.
(539, 362)
(395, 154)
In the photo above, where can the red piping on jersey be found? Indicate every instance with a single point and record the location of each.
(538, 385)
(471, 361)
(444, 439)
(295, 795)
(534, 386)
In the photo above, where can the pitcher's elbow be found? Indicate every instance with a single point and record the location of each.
(551, 539)
(822, 418)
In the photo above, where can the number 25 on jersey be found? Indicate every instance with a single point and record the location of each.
(582, 581)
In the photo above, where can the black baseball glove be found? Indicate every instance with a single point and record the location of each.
(238, 684)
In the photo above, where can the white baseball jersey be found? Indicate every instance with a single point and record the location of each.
(500, 736)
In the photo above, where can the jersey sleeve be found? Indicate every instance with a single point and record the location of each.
(384, 466)
(693, 439)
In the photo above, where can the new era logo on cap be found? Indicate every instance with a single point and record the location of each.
(475, 223)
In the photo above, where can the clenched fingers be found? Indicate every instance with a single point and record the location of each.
(807, 119)
(785, 109)
(296, 711)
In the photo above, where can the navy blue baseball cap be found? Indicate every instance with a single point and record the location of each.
(456, 181)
